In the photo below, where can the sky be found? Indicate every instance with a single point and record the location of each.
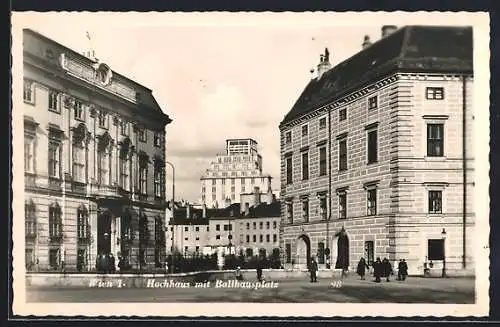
(220, 76)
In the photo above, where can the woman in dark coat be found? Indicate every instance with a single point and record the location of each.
(361, 268)
(377, 270)
(387, 267)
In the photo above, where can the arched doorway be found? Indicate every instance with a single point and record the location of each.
(303, 256)
(104, 232)
(342, 261)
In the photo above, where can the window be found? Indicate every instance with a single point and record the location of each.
(268, 238)
(53, 101)
(197, 228)
(275, 224)
(54, 258)
(434, 93)
(275, 238)
(143, 135)
(305, 209)
(305, 166)
(289, 212)
(254, 225)
(288, 250)
(186, 229)
(322, 123)
(342, 205)
(323, 207)
(289, 170)
(248, 225)
(372, 202)
(343, 154)
(102, 167)
(261, 238)
(252, 181)
(158, 182)
(342, 114)
(78, 110)
(305, 131)
(53, 159)
(124, 128)
(372, 102)
(208, 229)
(30, 219)
(143, 229)
(322, 161)
(435, 201)
(261, 225)
(248, 238)
(55, 223)
(321, 253)
(78, 163)
(217, 237)
(213, 181)
(157, 139)
(28, 91)
(254, 238)
(28, 155)
(186, 239)
(369, 252)
(372, 146)
(435, 249)
(288, 138)
(124, 171)
(435, 140)
(268, 224)
(143, 179)
(103, 119)
(83, 230)
(217, 227)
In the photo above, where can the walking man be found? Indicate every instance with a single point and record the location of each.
(377, 270)
(387, 267)
(313, 270)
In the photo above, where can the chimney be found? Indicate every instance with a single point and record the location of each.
(270, 196)
(204, 211)
(366, 42)
(247, 208)
(256, 196)
(188, 211)
(388, 30)
(324, 63)
(227, 202)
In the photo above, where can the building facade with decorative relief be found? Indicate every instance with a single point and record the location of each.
(377, 157)
(238, 170)
(94, 162)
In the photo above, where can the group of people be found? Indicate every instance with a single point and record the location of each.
(382, 269)
(105, 262)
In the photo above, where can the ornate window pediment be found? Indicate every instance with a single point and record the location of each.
(105, 141)
(81, 135)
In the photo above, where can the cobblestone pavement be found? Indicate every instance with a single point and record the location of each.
(351, 290)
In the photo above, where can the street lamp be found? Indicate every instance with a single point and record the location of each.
(443, 236)
(172, 211)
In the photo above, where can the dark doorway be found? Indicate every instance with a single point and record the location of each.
(104, 233)
(304, 250)
(126, 237)
(342, 252)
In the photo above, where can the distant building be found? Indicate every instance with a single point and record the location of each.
(236, 171)
(94, 157)
(376, 155)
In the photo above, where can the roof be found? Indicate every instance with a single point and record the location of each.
(145, 99)
(418, 49)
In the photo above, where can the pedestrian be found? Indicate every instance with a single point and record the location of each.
(377, 270)
(238, 274)
(362, 266)
(98, 263)
(112, 267)
(313, 269)
(259, 269)
(404, 269)
(387, 268)
(400, 269)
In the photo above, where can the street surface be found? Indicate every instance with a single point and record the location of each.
(349, 290)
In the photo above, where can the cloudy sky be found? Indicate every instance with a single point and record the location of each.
(219, 76)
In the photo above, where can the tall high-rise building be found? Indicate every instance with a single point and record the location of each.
(237, 171)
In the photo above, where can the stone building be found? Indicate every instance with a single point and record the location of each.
(377, 157)
(94, 157)
(237, 170)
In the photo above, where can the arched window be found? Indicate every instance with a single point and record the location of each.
(159, 178)
(55, 222)
(104, 159)
(79, 160)
(83, 228)
(30, 219)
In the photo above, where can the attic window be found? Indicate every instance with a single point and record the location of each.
(137, 96)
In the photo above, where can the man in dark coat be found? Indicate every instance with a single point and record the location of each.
(259, 269)
(362, 265)
(377, 270)
(313, 269)
(387, 267)
(404, 269)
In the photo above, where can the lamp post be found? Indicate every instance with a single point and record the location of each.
(172, 211)
(443, 236)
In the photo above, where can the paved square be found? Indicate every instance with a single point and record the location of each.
(352, 290)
